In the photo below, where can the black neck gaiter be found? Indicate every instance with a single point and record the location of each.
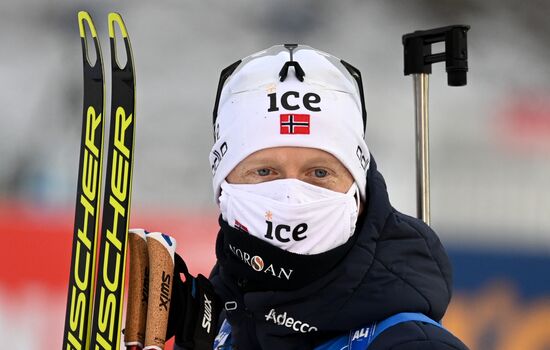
(256, 265)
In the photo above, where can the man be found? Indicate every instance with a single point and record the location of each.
(310, 253)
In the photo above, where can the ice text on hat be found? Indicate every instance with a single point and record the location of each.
(309, 101)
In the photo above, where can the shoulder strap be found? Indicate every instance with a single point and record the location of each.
(403, 317)
(360, 339)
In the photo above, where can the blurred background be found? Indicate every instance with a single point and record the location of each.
(490, 141)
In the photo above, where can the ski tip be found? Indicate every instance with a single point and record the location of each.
(84, 16)
(116, 17)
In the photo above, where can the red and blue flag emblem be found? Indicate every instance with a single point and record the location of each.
(294, 124)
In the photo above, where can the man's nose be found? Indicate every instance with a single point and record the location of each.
(291, 173)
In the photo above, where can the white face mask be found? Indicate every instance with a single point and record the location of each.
(291, 214)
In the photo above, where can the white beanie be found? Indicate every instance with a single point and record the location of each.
(256, 110)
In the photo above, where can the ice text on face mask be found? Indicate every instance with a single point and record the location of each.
(298, 232)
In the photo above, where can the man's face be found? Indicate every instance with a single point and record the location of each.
(310, 165)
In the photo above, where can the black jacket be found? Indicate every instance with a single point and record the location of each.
(394, 263)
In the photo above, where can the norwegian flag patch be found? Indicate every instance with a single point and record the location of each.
(294, 124)
(240, 226)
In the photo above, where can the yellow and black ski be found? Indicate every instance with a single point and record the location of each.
(88, 196)
(107, 315)
(94, 310)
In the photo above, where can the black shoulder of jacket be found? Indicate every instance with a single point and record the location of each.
(416, 335)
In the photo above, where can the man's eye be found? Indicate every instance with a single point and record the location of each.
(320, 173)
(263, 172)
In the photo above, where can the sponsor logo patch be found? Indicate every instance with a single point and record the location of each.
(216, 157)
(207, 317)
(258, 264)
(285, 233)
(362, 159)
(289, 322)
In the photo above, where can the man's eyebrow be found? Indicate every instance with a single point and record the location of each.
(319, 159)
(314, 159)
(335, 163)
(262, 161)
